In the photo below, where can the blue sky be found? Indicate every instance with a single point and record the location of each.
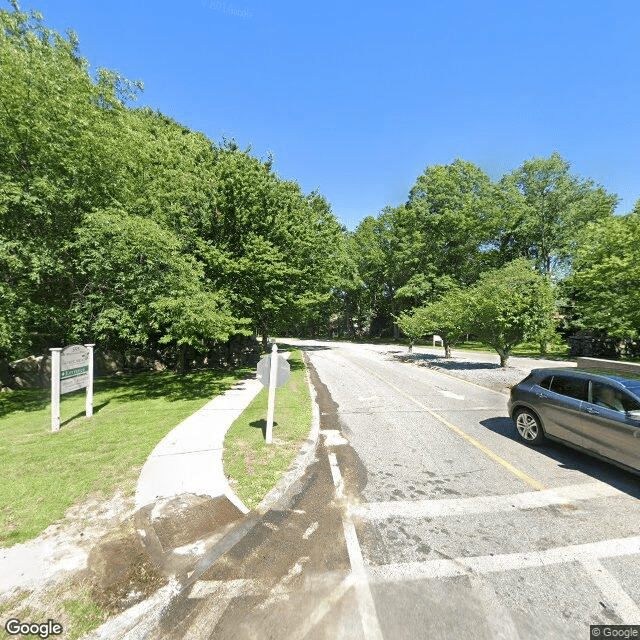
(356, 99)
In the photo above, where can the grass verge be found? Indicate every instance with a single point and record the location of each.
(253, 466)
(524, 350)
(49, 472)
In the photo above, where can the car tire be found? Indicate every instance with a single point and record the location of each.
(528, 426)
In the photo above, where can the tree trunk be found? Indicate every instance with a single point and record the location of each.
(265, 339)
(504, 357)
(182, 364)
(447, 348)
(411, 346)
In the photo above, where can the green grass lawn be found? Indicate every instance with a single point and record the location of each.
(525, 350)
(45, 473)
(254, 466)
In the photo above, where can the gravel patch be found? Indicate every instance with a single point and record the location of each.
(486, 374)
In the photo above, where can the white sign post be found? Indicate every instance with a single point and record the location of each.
(71, 369)
(272, 391)
(55, 388)
(273, 371)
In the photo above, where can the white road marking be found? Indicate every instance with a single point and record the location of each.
(333, 438)
(205, 588)
(613, 592)
(310, 531)
(281, 590)
(366, 605)
(449, 394)
(497, 616)
(322, 609)
(336, 475)
(270, 525)
(484, 504)
(505, 562)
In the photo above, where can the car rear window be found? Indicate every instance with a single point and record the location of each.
(569, 386)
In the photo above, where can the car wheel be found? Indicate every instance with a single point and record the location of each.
(529, 427)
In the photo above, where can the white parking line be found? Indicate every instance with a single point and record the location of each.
(205, 588)
(484, 504)
(336, 475)
(505, 562)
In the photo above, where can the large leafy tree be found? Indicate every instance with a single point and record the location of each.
(86, 181)
(549, 206)
(447, 222)
(56, 126)
(602, 290)
(134, 288)
(412, 254)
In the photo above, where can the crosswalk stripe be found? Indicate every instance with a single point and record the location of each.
(442, 568)
(484, 504)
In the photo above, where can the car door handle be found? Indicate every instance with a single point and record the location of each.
(542, 395)
(592, 411)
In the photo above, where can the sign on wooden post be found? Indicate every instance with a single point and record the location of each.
(71, 369)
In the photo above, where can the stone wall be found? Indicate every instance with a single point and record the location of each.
(608, 365)
(34, 372)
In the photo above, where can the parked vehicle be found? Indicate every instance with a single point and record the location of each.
(592, 410)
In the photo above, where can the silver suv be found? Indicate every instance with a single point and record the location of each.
(592, 410)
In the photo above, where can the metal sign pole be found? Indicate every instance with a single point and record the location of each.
(89, 401)
(55, 388)
(272, 392)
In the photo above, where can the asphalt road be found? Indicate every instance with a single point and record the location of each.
(425, 517)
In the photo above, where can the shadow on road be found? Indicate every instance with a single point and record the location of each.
(569, 458)
(428, 359)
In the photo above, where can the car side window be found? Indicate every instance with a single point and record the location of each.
(570, 386)
(546, 383)
(609, 397)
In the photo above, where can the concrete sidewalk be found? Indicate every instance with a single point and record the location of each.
(189, 458)
(187, 515)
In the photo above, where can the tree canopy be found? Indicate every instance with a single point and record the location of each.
(120, 225)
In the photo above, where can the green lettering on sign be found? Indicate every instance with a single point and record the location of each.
(70, 373)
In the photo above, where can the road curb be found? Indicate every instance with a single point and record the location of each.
(305, 456)
(138, 622)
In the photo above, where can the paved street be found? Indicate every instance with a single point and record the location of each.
(425, 517)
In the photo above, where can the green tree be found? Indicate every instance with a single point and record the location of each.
(510, 305)
(447, 222)
(56, 164)
(448, 317)
(606, 277)
(549, 207)
(134, 288)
